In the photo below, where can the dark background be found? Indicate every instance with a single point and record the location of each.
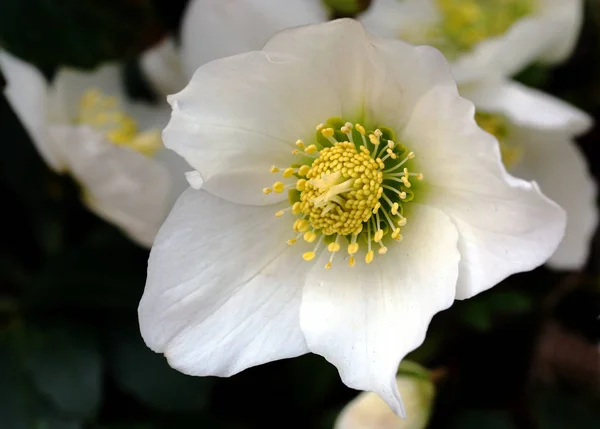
(522, 355)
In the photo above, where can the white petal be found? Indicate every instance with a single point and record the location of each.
(506, 225)
(554, 161)
(526, 107)
(566, 17)
(240, 115)
(223, 289)
(69, 85)
(388, 18)
(215, 29)
(161, 65)
(27, 93)
(368, 411)
(146, 115)
(365, 319)
(401, 76)
(177, 168)
(120, 185)
(506, 54)
(194, 179)
(233, 129)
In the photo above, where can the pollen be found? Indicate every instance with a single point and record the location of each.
(348, 187)
(104, 114)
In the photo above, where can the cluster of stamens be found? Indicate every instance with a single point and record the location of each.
(465, 23)
(349, 186)
(104, 114)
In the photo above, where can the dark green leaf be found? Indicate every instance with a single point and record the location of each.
(65, 366)
(80, 33)
(148, 376)
(559, 411)
(21, 407)
(483, 419)
(476, 314)
(509, 302)
(16, 400)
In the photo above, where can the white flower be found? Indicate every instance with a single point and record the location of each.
(227, 286)
(483, 38)
(214, 29)
(161, 65)
(80, 125)
(536, 134)
(368, 411)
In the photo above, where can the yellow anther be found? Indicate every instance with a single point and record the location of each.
(377, 207)
(334, 247)
(396, 235)
(382, 250)
(328, 265)
(296, 207)
(309, 256)
(279, 213)
(303, 171)
(311, 149)
(349, 125)
(267, 191)
(310, 236)
(369, 257)
(352, 248)
(274, 169)
(278, 187)
(395, 208)
(410, 155)
(390, 144)
(301, 225)
(378, 235)
(420, 176)
(402, 195)
(361, 129)
(295, 151)
(402, 221)
(328, 132)
(405, 181)
(374, 139)
(352, 262)
(288, 172)
(291, 241)
(345, 129)
(320, 127)
(378, 133)
(301, 184)
(300, 144)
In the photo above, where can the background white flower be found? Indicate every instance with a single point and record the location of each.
(225, 291)
(82, 124)
(483, 38)
(536, 133)
(214, 29)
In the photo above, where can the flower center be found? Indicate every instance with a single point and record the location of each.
(104, 114)
(468, 22)
(350, 185)
(465, 23)
(497, 125)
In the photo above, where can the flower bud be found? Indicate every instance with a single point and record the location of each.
(368, 411)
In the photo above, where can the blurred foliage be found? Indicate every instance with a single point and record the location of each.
(348, 7)
(70, 352)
